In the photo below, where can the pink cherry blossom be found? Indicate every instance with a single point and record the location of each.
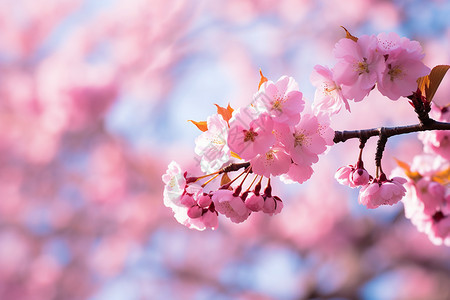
(358, 66)
(297, 173)
(428, 164)
(382, 191)
(304, 142)
(430, 194)
(250, 137)
(328, 97)
(436, 226)
(427, 202)
(440, 113)
(274, 162)
(391, 44)
(325, 130)
(403, 59)
(440, 230)
(437, 141)
(230, 204)
(175, 183)
(388, 43)
(399, 78)
(282, 100)
(212, 146)
(344, 176)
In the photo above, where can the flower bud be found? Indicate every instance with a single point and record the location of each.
(195, 212)
(204, 201)
(360, 177)
(187, 200)
(254, 202)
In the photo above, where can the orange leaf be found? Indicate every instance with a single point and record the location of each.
(413, 175)
(203, 126)
(263, 79)
(349, 36)
(429, 84)
(226, 113)
(436, 76)
(423, 84)
(225, 179)
(442, 177)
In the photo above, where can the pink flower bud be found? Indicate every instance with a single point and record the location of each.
(360, 177)
(255, 202)
(382, 191)
(272, 205)
(210, 219)
(343, 175)
(195, 212)
(204, 201)
(269, 205)
(187, 200)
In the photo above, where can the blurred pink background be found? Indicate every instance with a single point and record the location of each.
(94, 101)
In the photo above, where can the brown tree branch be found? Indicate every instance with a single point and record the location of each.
(342, 136)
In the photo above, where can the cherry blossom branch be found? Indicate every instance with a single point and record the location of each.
(363, 135)
(387, 132)
(234, 167)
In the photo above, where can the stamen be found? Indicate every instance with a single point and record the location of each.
(209, 180)
(362, 67)
(395, 72)
(253, 181)
(249, 135)
(300, 138)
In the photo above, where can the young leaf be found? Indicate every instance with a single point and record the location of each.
(349, 36)
(263, 79)
(442, 177)
(226, 113)
(429, 84)
(203, 126)
(225, 179)
(413, 175)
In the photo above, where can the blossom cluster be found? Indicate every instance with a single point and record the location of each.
(279, 135)
(374, 191)
(388, 61)
(274, 136)
(427, 200)
(437, 141)
(195, 208)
